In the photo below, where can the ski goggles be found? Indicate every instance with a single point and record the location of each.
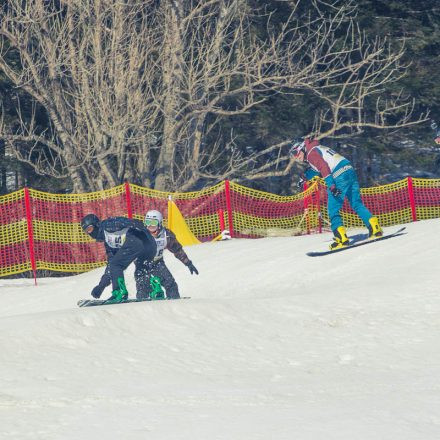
(151, 222)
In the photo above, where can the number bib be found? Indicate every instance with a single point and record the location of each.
(331, 157)
(115, 239)
(161, 244)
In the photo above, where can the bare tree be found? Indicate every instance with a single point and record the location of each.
(224, 69)
(135, 89)
(87, 64)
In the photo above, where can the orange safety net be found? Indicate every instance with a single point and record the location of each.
(14, 237)
(59, 242)
(39, 230)
(258, 213)
(390, 203)
(199, 208)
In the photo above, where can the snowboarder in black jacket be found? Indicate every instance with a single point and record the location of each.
(125, 240)
(146, 271)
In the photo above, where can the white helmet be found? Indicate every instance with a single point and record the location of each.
(298, 146)
(153, 218)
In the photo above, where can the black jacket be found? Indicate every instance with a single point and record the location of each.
(115, 224)
(128, 227)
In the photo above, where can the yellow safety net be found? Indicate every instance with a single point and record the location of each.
(40, 230)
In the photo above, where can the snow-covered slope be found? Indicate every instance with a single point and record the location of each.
(273, 345)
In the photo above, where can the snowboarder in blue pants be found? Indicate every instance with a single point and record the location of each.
(341, 180)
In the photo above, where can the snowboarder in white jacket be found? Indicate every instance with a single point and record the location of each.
(146, 271)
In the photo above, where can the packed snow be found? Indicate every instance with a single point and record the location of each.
(272, 345)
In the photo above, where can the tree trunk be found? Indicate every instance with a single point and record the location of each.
(3, 189)
(171, 78)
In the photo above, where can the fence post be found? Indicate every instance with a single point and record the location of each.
(128, 200)
(229, 207)
(221, 220)
(412, 200)
(318, 196)
(169, 209)
(318, 202)
(306, 207)
(27, 205)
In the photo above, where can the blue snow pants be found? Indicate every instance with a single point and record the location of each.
(348, 184)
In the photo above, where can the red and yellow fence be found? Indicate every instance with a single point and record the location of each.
(41, 231)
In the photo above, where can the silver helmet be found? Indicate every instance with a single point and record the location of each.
(153, 218)
(298, 146)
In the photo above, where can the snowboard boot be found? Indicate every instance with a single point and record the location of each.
(121, 294)
(340, 239)
(374, 229)
(156, 288)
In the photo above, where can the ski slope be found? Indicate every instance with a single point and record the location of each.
(273, 345)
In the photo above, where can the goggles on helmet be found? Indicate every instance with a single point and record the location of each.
(151, 222)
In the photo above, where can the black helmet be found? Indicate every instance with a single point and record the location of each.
(90, 220)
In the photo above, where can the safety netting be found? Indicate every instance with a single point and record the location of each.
(199, 208)
(59, 242)
(14, 235)
(258, 213)
(390, 203)
(41, 230)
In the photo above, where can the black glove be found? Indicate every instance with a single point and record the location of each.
(192, 268)
(97, 291)
(335, 191)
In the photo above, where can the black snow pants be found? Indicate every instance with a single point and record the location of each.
(158, 269)
(136, 246)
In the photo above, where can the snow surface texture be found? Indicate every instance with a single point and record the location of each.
(273, 345)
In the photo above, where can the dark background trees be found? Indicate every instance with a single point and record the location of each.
(269, 117)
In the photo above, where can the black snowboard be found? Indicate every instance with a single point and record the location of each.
(106, 302)
(357, 243)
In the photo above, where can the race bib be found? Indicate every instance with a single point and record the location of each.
(161, 244)
(115, 239)
(331, 157)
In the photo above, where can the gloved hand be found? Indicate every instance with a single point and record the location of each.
(335, 191)
(97, 291)
(192, 268)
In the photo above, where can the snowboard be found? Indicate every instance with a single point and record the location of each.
(357, 243)
(106, 302)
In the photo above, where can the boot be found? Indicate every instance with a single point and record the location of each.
(340, 239)
(374, 229)
(120, 294)
(156, 288)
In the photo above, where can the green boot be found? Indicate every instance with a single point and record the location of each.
(157, 290)
(120, 294)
